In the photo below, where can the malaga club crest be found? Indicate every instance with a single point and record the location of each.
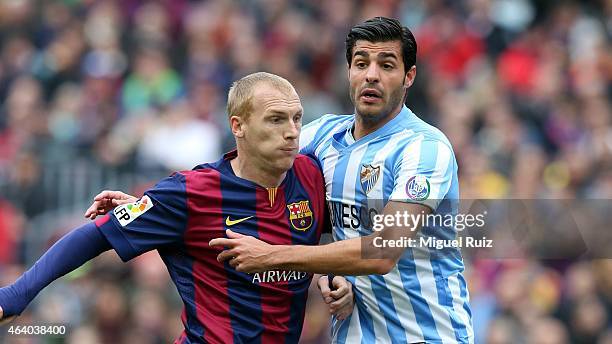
(300, 215)
(369, 176)
(417, 188)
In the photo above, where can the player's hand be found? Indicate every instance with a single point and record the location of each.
(245, 253)
(107, 200)
(4, 321)
(341, 300)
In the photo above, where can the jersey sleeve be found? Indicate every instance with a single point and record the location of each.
(424, 173)
(308, 135)
(313, 133)
(156, 220)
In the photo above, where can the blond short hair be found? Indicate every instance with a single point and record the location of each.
(240, 96)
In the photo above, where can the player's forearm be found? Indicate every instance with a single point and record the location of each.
(372, 254)
(70, 252)
(338, 258)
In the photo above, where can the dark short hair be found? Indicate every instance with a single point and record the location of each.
(382, 29)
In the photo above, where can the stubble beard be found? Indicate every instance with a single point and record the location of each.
(371, 118)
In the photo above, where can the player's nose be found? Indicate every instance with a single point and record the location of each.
(372, 73)
(293, 131)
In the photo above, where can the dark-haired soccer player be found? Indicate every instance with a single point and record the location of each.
(264, 189)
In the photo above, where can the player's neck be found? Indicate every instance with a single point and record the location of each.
(250, 170)
(363, 127)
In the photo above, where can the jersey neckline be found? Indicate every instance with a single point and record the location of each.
(390, 127)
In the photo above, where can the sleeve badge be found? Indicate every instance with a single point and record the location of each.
(418, 188)
(127, 213)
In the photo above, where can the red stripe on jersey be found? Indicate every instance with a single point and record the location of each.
(275, 297)
(102, 220)
(210, 278)
(310, 177)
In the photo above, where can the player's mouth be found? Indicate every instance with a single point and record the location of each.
(289, 150)
(370, 95)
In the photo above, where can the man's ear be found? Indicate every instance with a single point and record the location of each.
(410, 76)
(237, 126)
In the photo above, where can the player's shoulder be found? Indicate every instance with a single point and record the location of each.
(202, 170)
(170, 191)
(200, 174)
(176, 180)
(329, 119)
(307, 163)
(425, 134)
(307, 167)
(326, 123)
(315, 132)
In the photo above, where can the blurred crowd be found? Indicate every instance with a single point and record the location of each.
(522, 88)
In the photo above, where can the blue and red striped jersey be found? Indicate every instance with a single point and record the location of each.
(183, 212)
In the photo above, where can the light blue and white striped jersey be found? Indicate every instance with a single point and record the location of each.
(425, 297)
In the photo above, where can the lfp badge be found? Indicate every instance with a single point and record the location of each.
(300, 215)
(418, 187)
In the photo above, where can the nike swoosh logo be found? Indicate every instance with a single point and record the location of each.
(229, 222)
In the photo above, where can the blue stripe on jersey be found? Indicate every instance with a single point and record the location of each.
(466, 307)
(298, 304)
(180, 267)
(390, 168)
(464, 294)
(245, 328)
(343, 330)
(388, 309)
(337, 186)
(366, 323)
(422, 312)
(381, 294)
(428, 157)
(445, 297)
(321, 127)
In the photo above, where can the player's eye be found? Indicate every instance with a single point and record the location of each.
(360, 64)
(297, 118)
(388, 66)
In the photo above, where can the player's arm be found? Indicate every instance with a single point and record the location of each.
(156, 220)
(359, 256)
(70, 252)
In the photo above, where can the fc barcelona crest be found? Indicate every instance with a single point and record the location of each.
(300, 215)
(369, 176)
